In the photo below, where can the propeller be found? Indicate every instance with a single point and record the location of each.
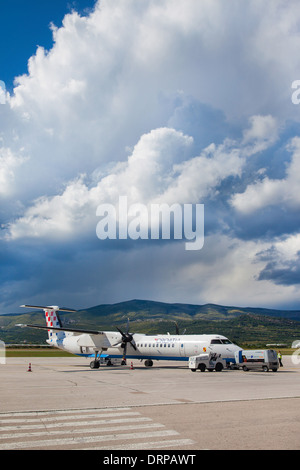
(126, 338)
(177, 328)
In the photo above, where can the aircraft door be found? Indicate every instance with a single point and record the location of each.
(182, 349)
(191, 349)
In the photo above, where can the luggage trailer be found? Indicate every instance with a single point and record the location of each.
(265, 359)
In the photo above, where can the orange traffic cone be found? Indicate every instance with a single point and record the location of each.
(29, 367)
(131, 366)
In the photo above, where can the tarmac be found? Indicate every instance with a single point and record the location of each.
(63, 404)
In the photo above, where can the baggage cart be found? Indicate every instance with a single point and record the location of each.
(255, 359)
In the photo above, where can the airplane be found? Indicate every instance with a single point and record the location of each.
(111, 344)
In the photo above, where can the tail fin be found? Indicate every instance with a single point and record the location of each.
(52, 317)
(52, 320)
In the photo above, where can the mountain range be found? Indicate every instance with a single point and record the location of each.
(244, 325)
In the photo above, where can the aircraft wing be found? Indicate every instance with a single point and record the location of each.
(87, 338)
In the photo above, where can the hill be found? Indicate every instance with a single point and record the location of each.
(242, 325)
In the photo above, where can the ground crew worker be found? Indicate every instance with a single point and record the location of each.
(279, 356)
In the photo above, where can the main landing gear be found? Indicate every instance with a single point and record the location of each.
(148, 363)
(95, 364)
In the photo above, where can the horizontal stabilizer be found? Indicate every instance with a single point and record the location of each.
(52, 307)
(72, 330)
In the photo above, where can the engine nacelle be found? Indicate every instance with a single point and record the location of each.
(70, 344)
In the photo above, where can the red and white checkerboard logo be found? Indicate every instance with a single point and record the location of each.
(51, 319)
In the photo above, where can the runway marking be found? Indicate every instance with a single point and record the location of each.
(152, 444)
(65, 412)
(76, 423)
(86, 440)
(61, 418)
(78, 429)
(84, 430)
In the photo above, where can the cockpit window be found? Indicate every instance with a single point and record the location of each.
(220, 341)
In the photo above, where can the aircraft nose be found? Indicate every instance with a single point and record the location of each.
(234, 347)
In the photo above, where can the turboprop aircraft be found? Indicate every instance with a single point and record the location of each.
(96, 344)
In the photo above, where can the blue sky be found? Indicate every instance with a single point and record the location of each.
(162, 102)
(24, 25)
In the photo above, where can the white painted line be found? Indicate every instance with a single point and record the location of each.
(147, 445)
(73, 424)
(61, 418)
(78, 441)
(128, 427)
(56, 412)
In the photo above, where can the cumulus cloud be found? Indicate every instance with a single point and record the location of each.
(282, 262)
(56, 217)
(162, 102)
(2, 92)
(262, 133)
(146, 174)
(161, 169)
(109, 77)
(8, 163)
(269, 192)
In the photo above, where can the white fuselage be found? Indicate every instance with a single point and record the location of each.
(158, 347)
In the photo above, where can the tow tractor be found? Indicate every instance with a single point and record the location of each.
(211, 361)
